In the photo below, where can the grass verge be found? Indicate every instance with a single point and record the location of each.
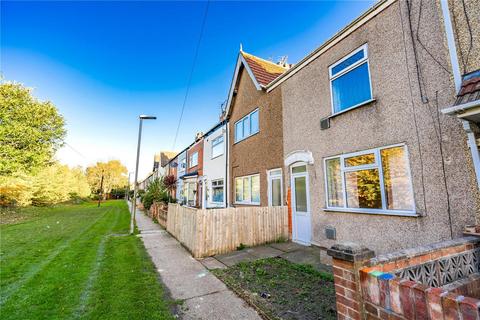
(77, 262)
(279, 289)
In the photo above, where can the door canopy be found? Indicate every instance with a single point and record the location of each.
(299, 156)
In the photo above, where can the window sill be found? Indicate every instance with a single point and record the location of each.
(248, 203)
(351, 108)
(246, 137)
(216, 156)
(374, 212)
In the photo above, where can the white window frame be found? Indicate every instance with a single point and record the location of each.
(346, 70)
(248, 116)
(215, 143)
(190, 160)
(223, 187)
(376, 165)
(259, 185)
(273, 177)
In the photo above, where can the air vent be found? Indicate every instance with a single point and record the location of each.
(331, 233)
(324, 123)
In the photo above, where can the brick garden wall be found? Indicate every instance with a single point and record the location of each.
(408, 284)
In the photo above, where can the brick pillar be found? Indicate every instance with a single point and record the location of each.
(348, 259)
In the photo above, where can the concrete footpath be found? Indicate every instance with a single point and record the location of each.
(205, 297)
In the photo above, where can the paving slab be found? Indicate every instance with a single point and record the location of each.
(264, 252)
(208, 307)
(286, 246)
(309, 256)
(211, 263)
(204, 295)
(231, 259)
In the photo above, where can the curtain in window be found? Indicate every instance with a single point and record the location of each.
(351, 88)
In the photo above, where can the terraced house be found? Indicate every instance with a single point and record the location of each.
(255, 133)
(370, 158)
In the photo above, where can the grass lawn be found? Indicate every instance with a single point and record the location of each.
(280, 289)
(77, 262)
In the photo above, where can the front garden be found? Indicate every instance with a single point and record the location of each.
(279, 289)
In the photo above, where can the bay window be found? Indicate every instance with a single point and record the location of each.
(247, 189)
(350, 81)
(372, 181)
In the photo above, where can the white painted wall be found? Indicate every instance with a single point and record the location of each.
(214, 169)
(181, 170)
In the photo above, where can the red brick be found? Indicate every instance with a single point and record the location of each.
(421, 312)
(395, 302)
(353, 314)
(347, 302)
(371, 308)
(407, 298)
(383, 286)
(341, 308)
(450, 307)
(342, 264)
(370, 288)
(338, 271)
(470, 308)
(434, 302)
(345, 283)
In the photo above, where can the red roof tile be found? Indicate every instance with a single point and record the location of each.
(264, 71)
(470, 90)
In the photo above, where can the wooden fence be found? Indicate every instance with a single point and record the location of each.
(206, 232)
(158, 212)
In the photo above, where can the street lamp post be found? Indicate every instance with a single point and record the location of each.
(135, 187)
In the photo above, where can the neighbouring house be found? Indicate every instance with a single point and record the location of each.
(181, 170)
(369, 156)
(255, 138)
(161, 161)
(192, 183)
(214, 179)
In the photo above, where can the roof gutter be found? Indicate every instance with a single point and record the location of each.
(461, 108)
(354, 25)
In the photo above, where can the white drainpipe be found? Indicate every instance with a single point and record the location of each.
(472, 143)
(452, 48)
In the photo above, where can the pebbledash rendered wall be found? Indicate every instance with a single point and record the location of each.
(438, 281)
(263, 151)
(405, 111)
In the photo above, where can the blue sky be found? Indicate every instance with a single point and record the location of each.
(104, 63)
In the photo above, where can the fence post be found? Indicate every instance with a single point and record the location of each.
(348, 259)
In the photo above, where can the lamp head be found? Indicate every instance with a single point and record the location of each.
(145, 117)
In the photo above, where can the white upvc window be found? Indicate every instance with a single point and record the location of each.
(371, 181)
(275, 187)
(217, 191)
(247, 126)
(183, 164)
(350, 83)
(193, 160)
(247, 189)
(217, 146)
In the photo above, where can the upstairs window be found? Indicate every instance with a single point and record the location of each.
(350, 81)
(217, 146)
(193, 160)
(247, 126)
(372, 181)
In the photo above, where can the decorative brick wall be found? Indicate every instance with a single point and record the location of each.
(439, 281)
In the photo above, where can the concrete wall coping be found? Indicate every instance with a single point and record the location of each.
(422, 250)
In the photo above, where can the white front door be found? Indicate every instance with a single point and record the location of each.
(302, 228)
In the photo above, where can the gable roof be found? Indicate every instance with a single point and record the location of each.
(261, 71)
